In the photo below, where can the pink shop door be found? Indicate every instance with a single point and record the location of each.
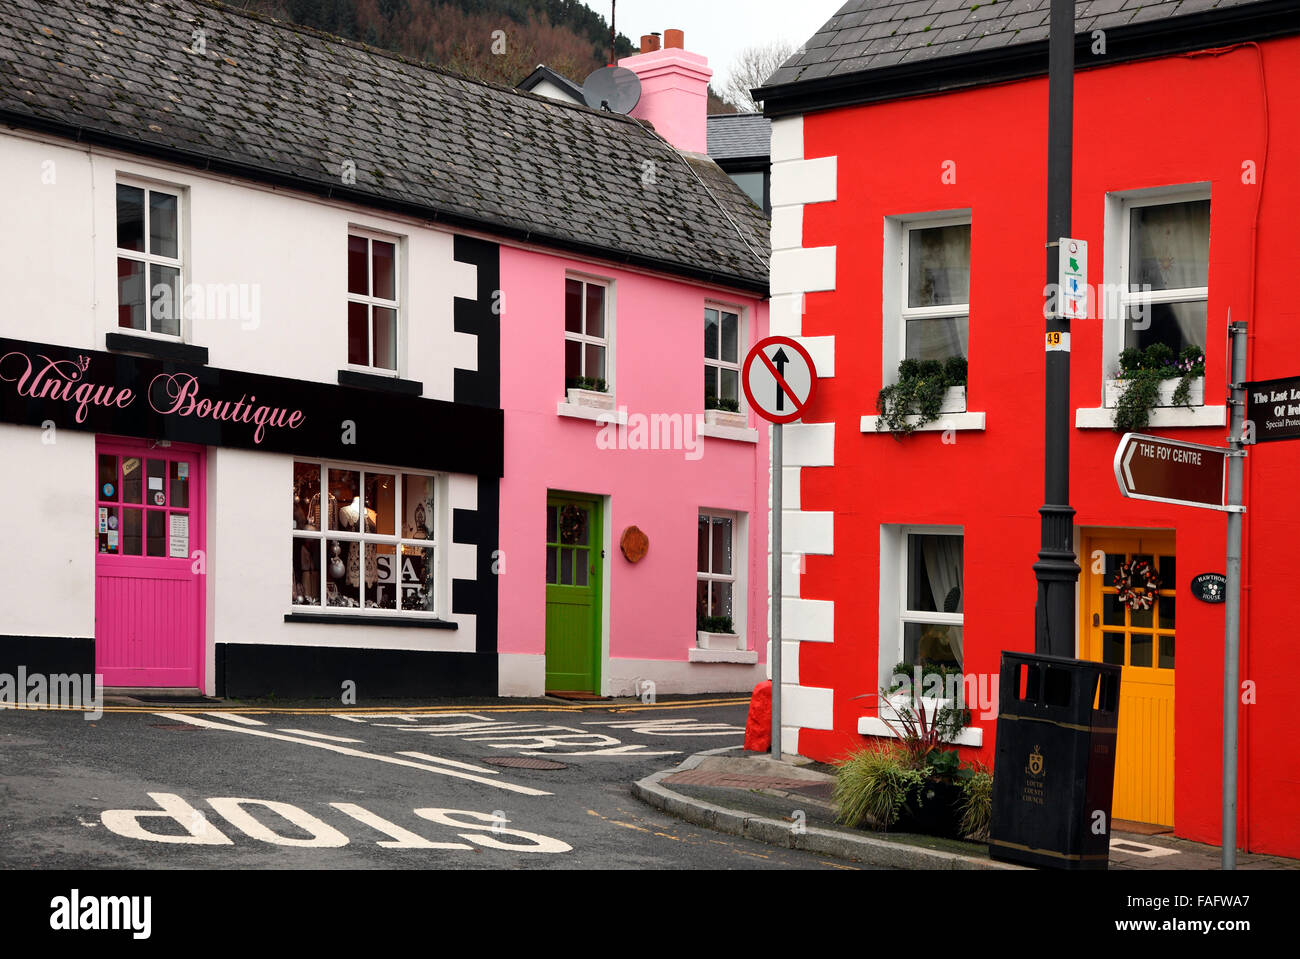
(148, 522)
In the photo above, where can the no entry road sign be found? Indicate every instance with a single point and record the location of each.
(779, 379)
(1149, 467)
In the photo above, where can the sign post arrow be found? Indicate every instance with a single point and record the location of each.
(1170, 471)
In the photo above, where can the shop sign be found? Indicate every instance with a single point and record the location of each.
(112, 393)
(1273, 406)
(1210, 587)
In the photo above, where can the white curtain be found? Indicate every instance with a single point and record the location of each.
(1171, 251)
(943, 567)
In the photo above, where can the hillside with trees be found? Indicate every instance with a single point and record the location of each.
(501, 41)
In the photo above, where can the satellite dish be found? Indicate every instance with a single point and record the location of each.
(615, 89)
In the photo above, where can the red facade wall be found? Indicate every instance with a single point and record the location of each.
(1175, 120)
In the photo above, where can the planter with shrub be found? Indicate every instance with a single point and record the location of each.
(915, 784)
(724, 412)
(590, 392)
(925, 390)
(716, 632)
(1153, 378)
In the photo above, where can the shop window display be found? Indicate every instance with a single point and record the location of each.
(363, 540)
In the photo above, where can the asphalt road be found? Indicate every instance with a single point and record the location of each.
(166, 787)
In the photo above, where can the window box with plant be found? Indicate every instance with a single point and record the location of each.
(925, 389)
(716, 632)
(589, 392)
(916, 784)
(1152, 378)
(724, 412)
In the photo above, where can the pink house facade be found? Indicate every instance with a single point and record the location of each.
(650, 462)
(600, 476)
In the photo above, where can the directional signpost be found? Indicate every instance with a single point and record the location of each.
(1167, 471)
(779, 381)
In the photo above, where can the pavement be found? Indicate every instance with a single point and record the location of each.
(788, 804)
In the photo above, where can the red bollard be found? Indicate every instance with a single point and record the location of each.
(758, 730)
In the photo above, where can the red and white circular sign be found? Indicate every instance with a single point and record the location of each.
(779, 379)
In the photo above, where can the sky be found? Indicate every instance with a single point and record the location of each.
(721, 29)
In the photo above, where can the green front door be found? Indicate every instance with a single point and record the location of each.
(573, 569)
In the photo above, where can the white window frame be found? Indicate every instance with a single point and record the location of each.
(371, 301)
(896, 312)
(148, 259)
(606, 341)
(438, 525)
(737, 564)
(894, 613)
(741, 347)
(1125, 298)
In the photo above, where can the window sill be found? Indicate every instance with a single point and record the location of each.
(591, 413)
(158, 348)
(344, 619)
(946, 421)
(874, 726)
(743, 656)
(374, 381)
(871, 726)
(741, 435)
(1103, 418)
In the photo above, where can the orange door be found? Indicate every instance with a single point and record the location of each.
(1142, 642)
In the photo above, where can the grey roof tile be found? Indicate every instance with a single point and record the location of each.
(1020, 21)
(272, 98)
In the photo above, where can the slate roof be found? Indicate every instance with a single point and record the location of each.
(739, 136)
(282, 103)
(872, 34)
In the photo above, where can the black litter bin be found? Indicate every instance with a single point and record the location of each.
(1054, 768)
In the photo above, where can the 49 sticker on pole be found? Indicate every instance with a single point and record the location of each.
(779, 379)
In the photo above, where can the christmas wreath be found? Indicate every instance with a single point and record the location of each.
(573, 520)
(1136, 584)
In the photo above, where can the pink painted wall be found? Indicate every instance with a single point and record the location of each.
(658, 367)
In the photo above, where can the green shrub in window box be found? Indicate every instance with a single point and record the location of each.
(920, 392)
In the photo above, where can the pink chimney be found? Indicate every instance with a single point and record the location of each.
(674, 91)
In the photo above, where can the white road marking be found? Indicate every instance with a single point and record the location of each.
(671, 727)
(351, 719)
(323, 835)
(199, 832)
(236, 718)
(451, 762)
(333, 739)
(528, 738)
(348, 751)
(400, 838)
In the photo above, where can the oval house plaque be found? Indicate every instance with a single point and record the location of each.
(1210, 587)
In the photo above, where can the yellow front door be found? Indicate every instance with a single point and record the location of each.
(1142, 642)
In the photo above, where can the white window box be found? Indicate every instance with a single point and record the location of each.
(736, 421)
(1164, 394)
(591, 399)
(889, 708)
(954, 401)
(730, 641)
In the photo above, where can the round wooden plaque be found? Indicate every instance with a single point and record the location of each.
(634, 544)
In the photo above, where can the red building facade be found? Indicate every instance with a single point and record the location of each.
(928, 242)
